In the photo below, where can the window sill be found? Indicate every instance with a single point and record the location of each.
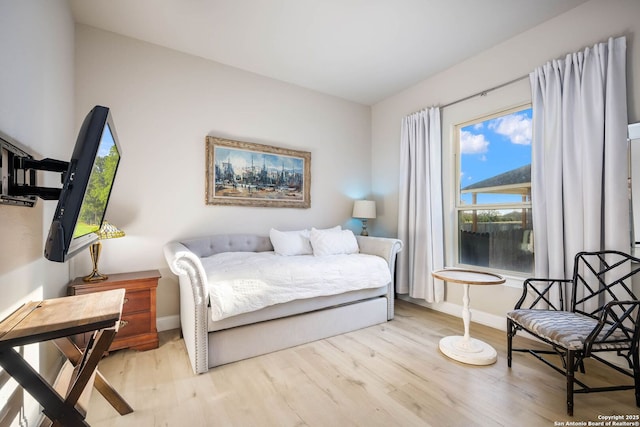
(513, 281)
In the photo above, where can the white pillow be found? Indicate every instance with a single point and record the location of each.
(290, 242)
(336, 228)
(333, 242)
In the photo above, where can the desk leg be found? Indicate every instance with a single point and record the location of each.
(54, 406)
(73, 353)
(464, 348)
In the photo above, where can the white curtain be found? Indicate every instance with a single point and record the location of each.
(579, 157)
(420, 211)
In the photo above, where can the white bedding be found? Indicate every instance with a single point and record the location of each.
(240, 282)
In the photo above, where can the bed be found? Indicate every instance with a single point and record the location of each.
(219, 327)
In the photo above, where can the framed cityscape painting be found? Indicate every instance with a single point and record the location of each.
(248, 174)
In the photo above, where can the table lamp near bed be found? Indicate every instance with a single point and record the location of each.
(107, 231)
(364, 210)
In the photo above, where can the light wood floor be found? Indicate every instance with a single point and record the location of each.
(386, 375)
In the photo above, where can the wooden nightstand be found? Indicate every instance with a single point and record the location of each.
(138, 323)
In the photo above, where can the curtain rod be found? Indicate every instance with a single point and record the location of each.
(483, 93)
(486, 91)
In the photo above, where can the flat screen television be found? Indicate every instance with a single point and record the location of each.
(86, 187)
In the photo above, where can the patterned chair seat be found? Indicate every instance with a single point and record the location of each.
(566, 329)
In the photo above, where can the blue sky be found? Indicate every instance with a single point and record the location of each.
(494, 146)
(106, 142)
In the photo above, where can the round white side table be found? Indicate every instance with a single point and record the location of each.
(464, 348)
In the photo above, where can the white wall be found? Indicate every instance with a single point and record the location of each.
(36, 110)
(583, 26)
(164, 104)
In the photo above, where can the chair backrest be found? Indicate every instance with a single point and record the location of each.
(604, 279)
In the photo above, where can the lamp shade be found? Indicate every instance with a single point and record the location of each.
(109, 231)
(364, 209)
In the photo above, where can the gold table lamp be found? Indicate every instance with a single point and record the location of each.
(107, 231)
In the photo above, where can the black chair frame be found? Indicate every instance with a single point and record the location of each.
(601, 282)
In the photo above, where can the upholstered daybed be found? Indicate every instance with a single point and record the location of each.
(217, 331)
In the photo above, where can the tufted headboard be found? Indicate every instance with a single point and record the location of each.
(207, 246)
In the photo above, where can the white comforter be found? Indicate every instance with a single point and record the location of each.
(241, 282)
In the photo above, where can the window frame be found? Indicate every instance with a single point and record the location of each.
(458, 206)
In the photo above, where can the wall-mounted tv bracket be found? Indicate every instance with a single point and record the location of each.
(19, 178)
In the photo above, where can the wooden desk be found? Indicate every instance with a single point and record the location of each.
(464, 348)
(58, 319)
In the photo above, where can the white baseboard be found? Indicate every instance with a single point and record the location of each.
(481, 317)
(166, 323)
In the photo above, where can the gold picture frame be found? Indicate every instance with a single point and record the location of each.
(248, 174)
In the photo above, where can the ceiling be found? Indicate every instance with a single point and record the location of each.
(359, 50)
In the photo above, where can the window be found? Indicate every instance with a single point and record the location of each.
(493, 203)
